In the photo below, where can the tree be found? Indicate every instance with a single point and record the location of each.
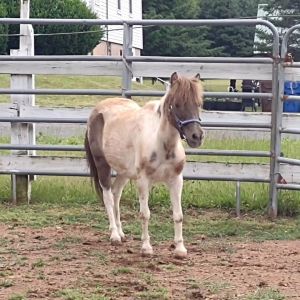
(174, 40)
(283, 14)
(60, 44)
(3, 31)
(234, 40)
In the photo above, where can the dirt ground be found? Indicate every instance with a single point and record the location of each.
(53, 263)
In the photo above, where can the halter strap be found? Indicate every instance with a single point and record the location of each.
(181, 123)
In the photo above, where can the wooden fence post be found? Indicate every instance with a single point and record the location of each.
(22, 133)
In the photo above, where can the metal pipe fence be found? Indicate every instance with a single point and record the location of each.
(188, 151)
(107, 92)
(294, 187)
(84, 121)
(82, 92)
(60, 58)
(291, 161)
(290, 130)
(86, 174)
(137, 59)
(127, 60)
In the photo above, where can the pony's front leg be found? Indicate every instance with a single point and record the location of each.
(143, 189)
(175, 187)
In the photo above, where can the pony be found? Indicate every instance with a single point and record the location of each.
(144, 144)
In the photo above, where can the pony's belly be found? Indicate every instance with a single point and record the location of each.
(119, 164)
(122, 163)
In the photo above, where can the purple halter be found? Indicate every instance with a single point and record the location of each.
(180, 124)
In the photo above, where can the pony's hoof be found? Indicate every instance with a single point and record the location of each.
(146, 252)
(180, 254)
(122, 236)
(115, 242)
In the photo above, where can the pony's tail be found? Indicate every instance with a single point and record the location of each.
(92, 166)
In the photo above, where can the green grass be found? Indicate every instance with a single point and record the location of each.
(199, 194)
(17, 297)
(196, 194)
(67, 241)
(5, 283)
(76, 294)
(75, 191)
(76, 82)
(65, 201)
(289, 148)
(154, 293)
(94, 82)
(40, 263)
(265, 294)
(122, 271)
(216, 287)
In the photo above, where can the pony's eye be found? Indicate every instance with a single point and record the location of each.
(177, 105)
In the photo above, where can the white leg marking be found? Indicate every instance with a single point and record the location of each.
(175, 186)
(109, 205)
(143, 187)
(117, 189)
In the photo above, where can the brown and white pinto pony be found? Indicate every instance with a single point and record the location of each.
(144, 144)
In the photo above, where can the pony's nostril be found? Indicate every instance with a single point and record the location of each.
(195, 136)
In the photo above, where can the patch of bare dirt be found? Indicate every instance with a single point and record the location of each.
(43, 263)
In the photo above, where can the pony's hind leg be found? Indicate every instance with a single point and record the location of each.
(143, 188)
(117, 189)
(108, 198)
(101, 170)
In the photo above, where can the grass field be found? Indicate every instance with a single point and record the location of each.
(76, 82)
(92, 82)
(70, 201)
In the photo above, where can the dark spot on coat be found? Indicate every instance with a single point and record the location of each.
(145, 165)
(166, 148)
(179, 167)
(169, 152)
(149, 170)
(170, 155)
(180, 220)
(153, 157)
(159, 111)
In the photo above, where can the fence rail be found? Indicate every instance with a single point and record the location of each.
(275, 124)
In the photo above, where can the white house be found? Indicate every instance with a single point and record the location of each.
(112, 40)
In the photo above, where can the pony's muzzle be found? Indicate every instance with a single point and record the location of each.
(195, 136)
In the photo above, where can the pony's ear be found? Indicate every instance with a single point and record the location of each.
(197, 76)
(173, 78)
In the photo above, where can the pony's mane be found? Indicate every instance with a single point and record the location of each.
(185, 90)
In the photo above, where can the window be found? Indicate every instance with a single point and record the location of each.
(130, 6)
(119, 4)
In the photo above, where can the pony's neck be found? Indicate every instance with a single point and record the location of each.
(167, 134)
